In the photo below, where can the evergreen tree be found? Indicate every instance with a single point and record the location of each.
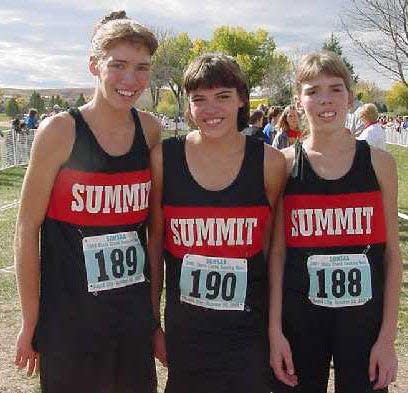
(37, 102)
(12, 108)
(80, 100)
(333, 45)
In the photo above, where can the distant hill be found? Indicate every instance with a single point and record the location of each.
(70, 94)
(66, 93)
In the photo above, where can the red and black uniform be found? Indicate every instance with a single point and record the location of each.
(99, 339)
(212, 347)
(335, 220)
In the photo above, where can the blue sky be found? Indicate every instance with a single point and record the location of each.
(44, 44)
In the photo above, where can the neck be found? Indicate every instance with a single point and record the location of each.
(100, 109)
(224, 144)
(326, 141)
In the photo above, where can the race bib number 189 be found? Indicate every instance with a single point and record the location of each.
(215, 283)
(339, 280)
(113, 261)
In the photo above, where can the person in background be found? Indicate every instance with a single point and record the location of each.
(270, 127)
(255, 125)
(31, 120)
(353, 121)
(80, 244)
(287, 128)
(373, 133)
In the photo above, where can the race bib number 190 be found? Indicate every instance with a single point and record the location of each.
(215, 283)
(113, 261)
(339, 280)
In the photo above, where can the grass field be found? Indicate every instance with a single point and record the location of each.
(12, 381)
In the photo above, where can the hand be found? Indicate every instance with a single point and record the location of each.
(25, 354)
(383, 364)
(159, 346)
(281, 360)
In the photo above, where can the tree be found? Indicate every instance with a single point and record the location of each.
(12, 108)
(397, 97)
(37, 102)
(252, 50)
(369, 92)
(173, 55)
(168, 104)
(379, 30)
(333, 45)
(80, 100)
(160, 71)
(278, 80)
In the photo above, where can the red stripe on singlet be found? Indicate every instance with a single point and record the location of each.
(334, 220)
(100, 199)
(236, 232)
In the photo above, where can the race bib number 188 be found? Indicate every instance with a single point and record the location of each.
(215, 283)
(113, 261)
(339, 280)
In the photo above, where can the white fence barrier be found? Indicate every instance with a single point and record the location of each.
(15, 148)
(395, 137)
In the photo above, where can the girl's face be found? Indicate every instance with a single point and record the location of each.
(215, 111)
(124, 73)
(293, 119)
(325, 100)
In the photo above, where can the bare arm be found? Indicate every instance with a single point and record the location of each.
(51, 147)
(383, 361)
(155, 246)
(280, 356)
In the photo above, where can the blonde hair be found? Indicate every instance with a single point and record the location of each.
(369, 113)
(324, 62)
(115, 27)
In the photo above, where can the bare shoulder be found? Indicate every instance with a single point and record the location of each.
(274, 157)
(55, 136)
(151, 128)
(384, 165)
(289, 154)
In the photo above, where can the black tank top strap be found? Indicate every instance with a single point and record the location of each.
(173, 158)
(139, 141)
(363, 161)
(299, 162)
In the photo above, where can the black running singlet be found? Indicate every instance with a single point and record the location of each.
(94, 276)
(216, 276)
(342, 219)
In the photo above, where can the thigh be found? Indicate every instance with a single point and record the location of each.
(69, 372)
(135, 368)
(356, 331)
(308, 330)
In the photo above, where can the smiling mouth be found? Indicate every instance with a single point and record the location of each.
(213, 122)
(126, 93)
(327, 115)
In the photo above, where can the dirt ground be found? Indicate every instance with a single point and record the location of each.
(13, 381)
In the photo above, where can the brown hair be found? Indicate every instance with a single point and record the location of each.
(217, 70)
(282, 123)
(115, 27)
(324, 62)
(273, 112)
(256, 116)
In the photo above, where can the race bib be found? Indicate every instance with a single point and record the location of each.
(339, 280)
(113, 261)
(215, 283)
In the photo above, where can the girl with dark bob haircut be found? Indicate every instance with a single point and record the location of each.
(213, 195)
